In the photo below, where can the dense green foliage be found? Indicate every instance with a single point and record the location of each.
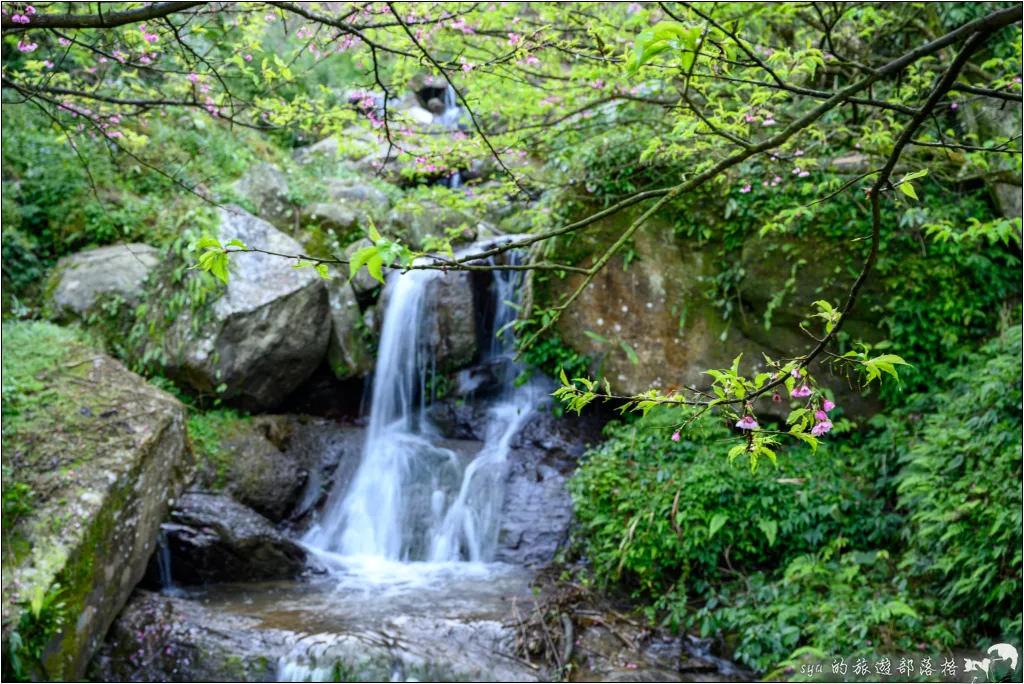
(959, 485)
(869, 545)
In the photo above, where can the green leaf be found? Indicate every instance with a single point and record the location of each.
(595, 336)
(630, 353)
(373, 233)
(908, 190)
(375, 266)
(219, 267)
(901, 608)
(206, 241)
(716, 523)
(360, 257)
(770, 529)
(807, 437)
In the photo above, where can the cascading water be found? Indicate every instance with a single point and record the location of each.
(163, 562)
(450, 120)
(412, 499)
(471, 525)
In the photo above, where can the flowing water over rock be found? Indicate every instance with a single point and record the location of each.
(412, 498)
(411, 540)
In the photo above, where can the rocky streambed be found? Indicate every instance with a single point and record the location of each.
(377, 621)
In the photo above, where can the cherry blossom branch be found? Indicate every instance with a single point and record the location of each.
(465, 103)
(978, 31)
(100, 20)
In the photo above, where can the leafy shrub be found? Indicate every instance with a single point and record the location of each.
(825, 604)
(40, 619)
(654, 512)
(550, 355)
(17, 498)
(961, 487)
(814, 558)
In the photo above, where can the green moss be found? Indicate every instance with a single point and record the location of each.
(208, 431)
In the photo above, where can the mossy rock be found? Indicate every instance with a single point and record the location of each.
(94, 457)
(244, 457)
(81, 284)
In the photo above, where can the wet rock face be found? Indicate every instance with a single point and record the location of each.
(330, 454)
(348, 352)
(266, 333)
(537, 511)
(82, 279)
(212, 538)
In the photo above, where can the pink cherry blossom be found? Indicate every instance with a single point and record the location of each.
(30, 10)
(776, 398)
(828, 405)
(821, 428)
(821, 415)
(675, 436)
(193, 77)
(801, 391)
(27, 47)
(745, 188)
(747, 423)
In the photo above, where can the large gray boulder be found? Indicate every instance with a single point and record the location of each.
(82, 279)
(451, 321)
(266, 186)
(213, 538)
(348, 351)
(357, 150)
(265, 334)
(416, 223)
(333, 218)
(358, 193)
(105, 455)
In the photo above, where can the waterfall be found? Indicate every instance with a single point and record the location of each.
(412, 499)
(450, 120)
(163, 563)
